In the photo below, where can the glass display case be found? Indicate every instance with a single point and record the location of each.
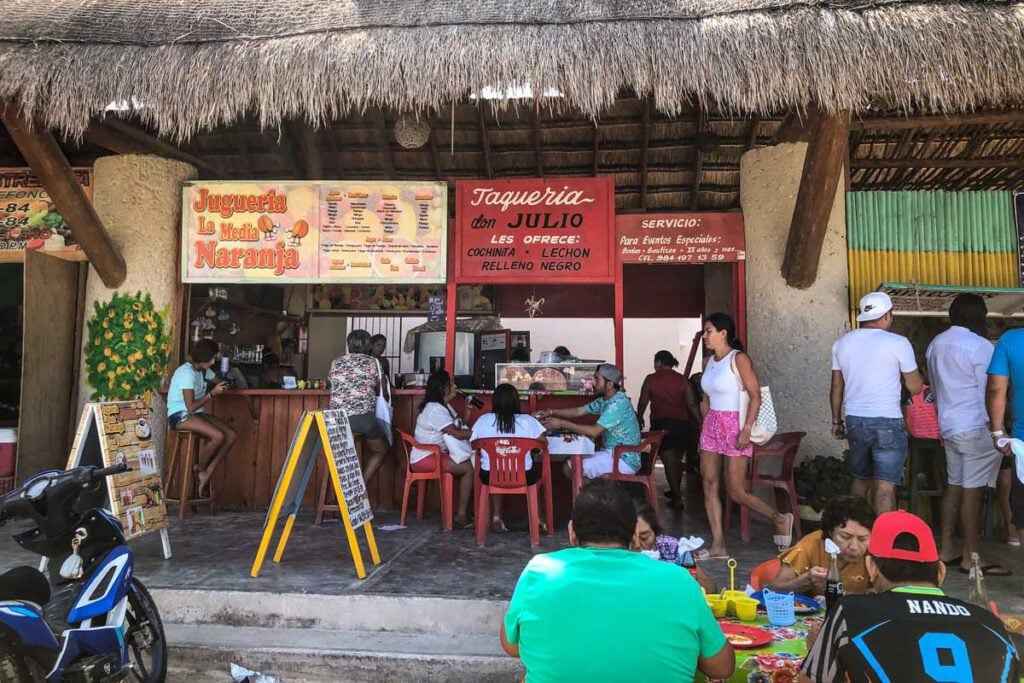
(577, 377)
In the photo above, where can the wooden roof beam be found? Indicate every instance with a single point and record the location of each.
(123, 138)
(1015, 116)
(1013, 162)
(48, 162)
(645, 141)
(485, 143)
(797, 126)
(823, 167)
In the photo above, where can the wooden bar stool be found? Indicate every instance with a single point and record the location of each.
(180, 471)
(322, 506)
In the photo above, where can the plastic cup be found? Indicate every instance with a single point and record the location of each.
(718, 605)
(745, 608)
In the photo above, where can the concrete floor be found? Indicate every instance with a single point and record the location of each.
(216, 553)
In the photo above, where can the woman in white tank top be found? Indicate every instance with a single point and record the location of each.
(722, 436)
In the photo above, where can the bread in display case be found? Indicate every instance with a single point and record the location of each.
(574, 377)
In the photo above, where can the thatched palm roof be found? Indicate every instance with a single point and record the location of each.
(195, 65)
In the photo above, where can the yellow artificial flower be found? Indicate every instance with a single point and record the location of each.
(126, 336)
(96, 341)
(101, 367)
(150, 339)
(129, 325)
(111, 312)
(140, 374)
(107, 351)
(137, 305)
(115, 358)
(108, 335)
(152, 326)
(111, 375)
(129, 317)
(150, 352)
(126, 386)
(120, 371)
(147, 397)
(105, 324)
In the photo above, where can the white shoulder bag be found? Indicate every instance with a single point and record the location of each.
(383, 409)
(766, 423)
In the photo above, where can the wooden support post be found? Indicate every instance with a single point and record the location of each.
(435, 157)
(309, 150)
(645, 142)
(384, 144)
(698, 159)
(48, 162)
(823, 167)
(597, 150)
(537, 152)
(485, 143)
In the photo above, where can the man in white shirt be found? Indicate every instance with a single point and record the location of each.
(958, 361)
(867, 364)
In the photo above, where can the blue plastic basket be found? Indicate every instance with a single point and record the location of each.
(780, 608)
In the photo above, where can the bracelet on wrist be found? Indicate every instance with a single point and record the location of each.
(998, 432)
(837, 422)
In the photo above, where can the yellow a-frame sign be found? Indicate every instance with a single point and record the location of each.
(327, 432)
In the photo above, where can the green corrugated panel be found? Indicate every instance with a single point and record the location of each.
(978, 222)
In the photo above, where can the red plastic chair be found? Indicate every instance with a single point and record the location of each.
(650, 444)
(765, 572)
(786, 446)
(507, 456)
(440, 473)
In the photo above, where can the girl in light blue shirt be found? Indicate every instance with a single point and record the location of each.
(187, 399)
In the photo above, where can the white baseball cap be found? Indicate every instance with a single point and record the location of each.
(873, 306)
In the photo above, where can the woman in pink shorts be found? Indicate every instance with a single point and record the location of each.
(723, 437)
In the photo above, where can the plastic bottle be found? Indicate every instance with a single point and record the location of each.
(978, 594)
(833, 583)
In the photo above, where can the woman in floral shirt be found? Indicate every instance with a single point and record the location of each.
(355, 383)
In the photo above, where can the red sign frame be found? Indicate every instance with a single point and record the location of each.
(524, 231)
(683, 238)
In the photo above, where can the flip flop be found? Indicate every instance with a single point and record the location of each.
(498, 527)
(990, 570)
(954, 562)
(783, 541)
(703, 555)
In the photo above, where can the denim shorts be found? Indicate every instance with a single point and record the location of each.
(878, 447)
(177, 418)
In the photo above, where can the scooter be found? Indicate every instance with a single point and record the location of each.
(96, 623)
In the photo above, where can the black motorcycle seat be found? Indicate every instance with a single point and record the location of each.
(25, 583)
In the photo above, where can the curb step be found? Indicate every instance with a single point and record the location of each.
(200, 653)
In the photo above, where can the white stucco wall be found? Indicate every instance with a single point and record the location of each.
(791, 331)
(138, 198)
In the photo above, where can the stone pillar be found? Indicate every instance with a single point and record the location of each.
(138, 198)
(791, 331)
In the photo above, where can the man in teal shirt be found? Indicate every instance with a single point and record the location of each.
(1006, 377)
(599, 612)
(616, 424)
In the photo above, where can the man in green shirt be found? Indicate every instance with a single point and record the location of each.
(600, 612)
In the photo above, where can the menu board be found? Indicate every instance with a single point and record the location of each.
(539, 230)
(114, 433)
(28, 219)
(346, 462)
(680, 238)
(325, 231)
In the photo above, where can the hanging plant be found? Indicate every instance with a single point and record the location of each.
(127, 350)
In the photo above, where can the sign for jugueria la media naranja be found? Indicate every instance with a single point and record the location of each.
(536, 230)
(680, 238)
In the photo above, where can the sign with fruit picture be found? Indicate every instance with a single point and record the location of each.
(28, 219)
(329, 231)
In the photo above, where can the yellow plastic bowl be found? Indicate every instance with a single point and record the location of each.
(733, 595)
(745, 608)
(718, 606)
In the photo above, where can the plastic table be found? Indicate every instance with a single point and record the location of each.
(786, 651)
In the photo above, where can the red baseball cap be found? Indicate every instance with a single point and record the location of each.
(890, 525)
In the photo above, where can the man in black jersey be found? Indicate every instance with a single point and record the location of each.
(909, 631)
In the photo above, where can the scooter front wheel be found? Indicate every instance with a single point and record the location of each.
(147, 647)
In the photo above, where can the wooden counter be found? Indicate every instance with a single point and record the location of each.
(249, 473)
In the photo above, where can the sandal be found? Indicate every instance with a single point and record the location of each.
(783, 541)
(498, 526)
(703, 555)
